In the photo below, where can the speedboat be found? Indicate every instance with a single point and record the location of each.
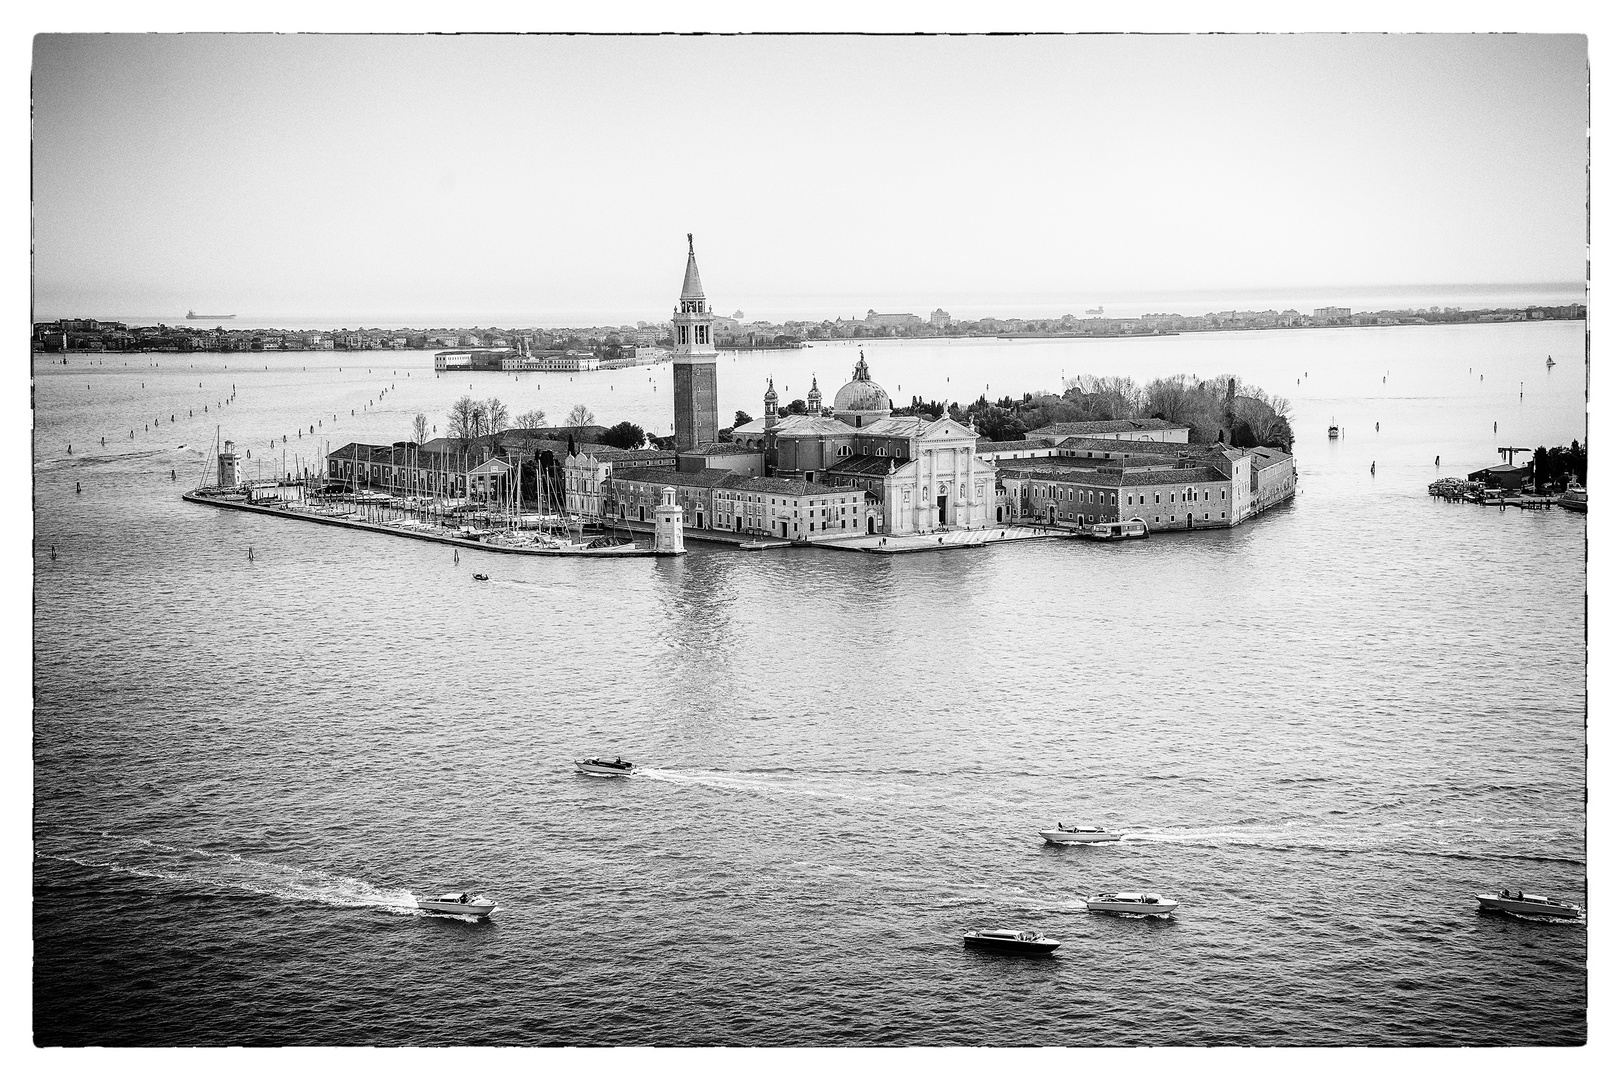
(1080, 834)
(480, 577)
(603, 767)
(457, 904)
(1573, 498)
(1014, 941)
(1131, 903)
(1523, 903)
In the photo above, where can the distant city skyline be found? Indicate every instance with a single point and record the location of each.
(376, 177)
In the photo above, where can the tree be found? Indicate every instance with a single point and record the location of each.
(796, 407)
(495, 416)
(419, 428)
(742, 418)
(580, 417)
(465, 418)
(624, 435)
(534, 418)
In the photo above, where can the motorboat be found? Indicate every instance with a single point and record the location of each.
(1080, 834)
(1134, 529)
(603, 767)
(1573, 498)
(480, 577)
(465, 903)
(1131, 903)
(752, 545)
(1013, 941)
(1523, 903)
(1333, 429)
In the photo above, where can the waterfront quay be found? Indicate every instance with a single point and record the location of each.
(417, 520)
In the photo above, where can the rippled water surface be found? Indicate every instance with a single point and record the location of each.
(1322, 732)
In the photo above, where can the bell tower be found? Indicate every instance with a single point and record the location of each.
(697, 421)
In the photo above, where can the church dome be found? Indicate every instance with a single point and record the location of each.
(861, 394)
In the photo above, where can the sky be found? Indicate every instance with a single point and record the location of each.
(552, 179)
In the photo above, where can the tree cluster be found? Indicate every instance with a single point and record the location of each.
(1559, 465)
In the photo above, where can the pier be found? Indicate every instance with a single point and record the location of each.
(408, 529)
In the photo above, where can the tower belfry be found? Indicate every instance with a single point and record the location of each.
(696, 397)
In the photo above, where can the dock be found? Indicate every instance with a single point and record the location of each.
(410, 533)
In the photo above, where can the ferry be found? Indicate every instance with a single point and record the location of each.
(603, 767)
(466, 903)
(1013, 941)
(1080, 834)
(1523, 903)
(1131, 903)
(1134, 529)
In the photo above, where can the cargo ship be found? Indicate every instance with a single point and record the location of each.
(194, 315)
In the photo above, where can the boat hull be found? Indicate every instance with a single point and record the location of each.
(602, 770)
(444, 907)
(1058, 837)
(1038, 947)
(1130, 907)
(1527, 907)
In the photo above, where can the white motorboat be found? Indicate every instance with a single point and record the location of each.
(457, 904)
(603, 767)
(1014, 941)
(1080, 834)
(1131, 903)
(1523, 903)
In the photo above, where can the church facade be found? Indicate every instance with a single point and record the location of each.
(922, 475)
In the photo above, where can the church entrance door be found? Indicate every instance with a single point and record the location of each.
(941, 502)
(871, 526)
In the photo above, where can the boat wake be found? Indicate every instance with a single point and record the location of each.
(207, 871)
(748, 785)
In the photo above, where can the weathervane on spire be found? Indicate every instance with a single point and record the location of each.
(689, 249)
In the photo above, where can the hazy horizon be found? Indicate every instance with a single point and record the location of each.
(365, 177)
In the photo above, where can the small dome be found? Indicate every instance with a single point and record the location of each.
(861, 394)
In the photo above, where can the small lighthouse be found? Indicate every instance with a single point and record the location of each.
(667, 539)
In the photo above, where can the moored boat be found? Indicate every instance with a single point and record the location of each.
(457, 904)
(1134, 529)
(1333, 429)
(1013, 941)
(1573, 498)
(603, 767)
(1132, 903)
(1080, 834)
(1523, 903)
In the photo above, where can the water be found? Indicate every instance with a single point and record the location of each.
(1322, 732)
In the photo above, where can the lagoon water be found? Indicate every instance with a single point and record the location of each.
(1322, 732)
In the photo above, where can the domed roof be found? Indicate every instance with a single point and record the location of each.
(861, 394)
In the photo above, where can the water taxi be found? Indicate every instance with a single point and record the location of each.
(1080, 834)
(1131, 903)
(603, 767)
(1523, 903)
(1134, 529)
(465, 903)
(1013, 941)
